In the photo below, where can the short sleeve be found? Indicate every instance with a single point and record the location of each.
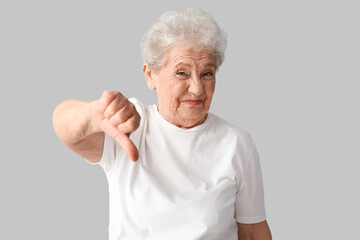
(109, 153)
(249, 201)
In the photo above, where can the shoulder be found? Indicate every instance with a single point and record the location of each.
(235, 143)
(145, 111)
(138, 105)
(231, 132)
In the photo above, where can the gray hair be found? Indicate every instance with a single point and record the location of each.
(192, 26)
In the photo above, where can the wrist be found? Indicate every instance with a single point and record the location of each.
(92, 123)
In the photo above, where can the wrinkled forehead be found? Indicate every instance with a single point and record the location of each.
(189, 57)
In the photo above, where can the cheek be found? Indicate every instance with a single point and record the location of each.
(172, 93)
(178, 89)
(210, 88)
(209, 91)
(164, 87)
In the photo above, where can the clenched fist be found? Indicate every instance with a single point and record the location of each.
(116, 116)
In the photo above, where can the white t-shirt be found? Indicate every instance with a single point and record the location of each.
(187, 184)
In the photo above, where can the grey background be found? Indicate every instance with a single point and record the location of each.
(290, 78)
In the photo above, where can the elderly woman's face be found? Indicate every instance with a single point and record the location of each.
(184, 85)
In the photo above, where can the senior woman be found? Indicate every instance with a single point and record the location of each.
(192, 175)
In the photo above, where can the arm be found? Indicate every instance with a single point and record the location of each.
(81, 125)
(257, 231)
(72, 124)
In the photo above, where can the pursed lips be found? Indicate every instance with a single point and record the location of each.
(192, 101)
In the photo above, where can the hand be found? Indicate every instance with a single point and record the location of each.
(116, 116)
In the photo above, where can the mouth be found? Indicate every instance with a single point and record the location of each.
(192, 102)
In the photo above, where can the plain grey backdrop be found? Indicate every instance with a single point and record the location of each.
(290, 78)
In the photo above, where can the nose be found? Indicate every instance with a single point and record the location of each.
(196, 86)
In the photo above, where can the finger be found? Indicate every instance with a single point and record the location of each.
(122, 139)
(102, 104)
(114, 106)
(130, 125)
(108, 96)
(129, 147)
(121, 116)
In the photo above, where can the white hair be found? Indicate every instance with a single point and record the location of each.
(192, 26)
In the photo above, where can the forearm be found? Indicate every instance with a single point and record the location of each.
(72, 121)
(257, 231)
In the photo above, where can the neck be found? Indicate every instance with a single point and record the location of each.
(182, 122)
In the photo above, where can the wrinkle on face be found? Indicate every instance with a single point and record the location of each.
(187, 74)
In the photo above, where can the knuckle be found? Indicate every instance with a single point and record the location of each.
(137, 119)
(120, 101)
(106, 97)
(117, 138)
(134, 124)
(119, 116)
(117, 95)
(110, 111)
(109, 95)
(125, 108)
(132, 106)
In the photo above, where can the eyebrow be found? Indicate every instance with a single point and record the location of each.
(182, 64)
(189, 65)
(209, 65)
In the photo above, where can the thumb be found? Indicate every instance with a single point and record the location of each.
(122, 139)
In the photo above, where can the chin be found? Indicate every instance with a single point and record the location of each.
(194, 116)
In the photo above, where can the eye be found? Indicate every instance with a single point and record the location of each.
(208, 75)
(181, 73)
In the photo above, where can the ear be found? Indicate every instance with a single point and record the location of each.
(149, 76)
